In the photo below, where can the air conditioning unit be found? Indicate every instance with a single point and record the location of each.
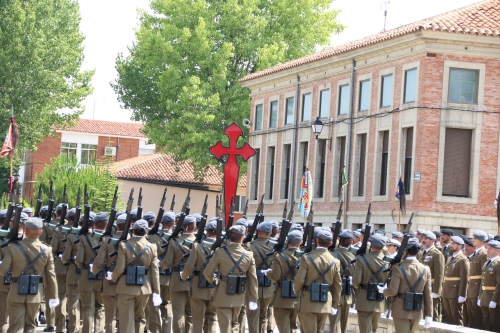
(110, 151)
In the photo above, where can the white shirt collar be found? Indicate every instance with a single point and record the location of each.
(427, 250)
(411, 258)
(345, 248)
(320, 247)
(493, 259)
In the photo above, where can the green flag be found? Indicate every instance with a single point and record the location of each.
(344, 178)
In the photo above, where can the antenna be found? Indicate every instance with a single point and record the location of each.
(384, 6)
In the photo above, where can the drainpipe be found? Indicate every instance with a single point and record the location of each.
(351, 109)
(291, 194)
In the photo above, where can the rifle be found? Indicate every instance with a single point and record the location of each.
(161, 211)
(217, 207)
(172, 204)
(8, 217)
(139, 205)
(338, 227)
(366, 235)
(128, 220)
(109, 226)
(201, 228)
(408, 226)
(230, 220)
(85, 225)
(285, 228)
(218, 238)
(13, 234)
(285, 211)
(64, 208)
(74, 228)
(245, 210)
(259, 217)
(180, 220)
(38, 202)
(50, 208)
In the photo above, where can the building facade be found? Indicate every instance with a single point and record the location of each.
(419, 102)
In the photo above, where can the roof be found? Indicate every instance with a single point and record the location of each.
(482, 18)
(161, 168)
(106, 128)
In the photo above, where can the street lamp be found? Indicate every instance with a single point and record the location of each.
(317, 127)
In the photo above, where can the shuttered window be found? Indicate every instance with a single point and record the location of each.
(361, 164)
(408, 159)
(385, 162)
(285, 171)
(319, 173)
(270, 173)
(340, 162)
(273, 114)
(457, 160)
(255, 175)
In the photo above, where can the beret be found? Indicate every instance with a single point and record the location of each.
(238, 229)
(480, 235)
(59, 207)
(242, 222)
(212, 225)
(28, 210)
(356, 234)
(121, 219)
(274, 224)
(316, 231)
(71, 213)
(420, 231)
(140, 224)
(24, 216)
(490, 237)
(296, 227)
(394, 242)
(198, 217)
(249, 223)
(178, 215)
(91, 216)
(437, 233)
(189, 219)
(494, 244)
(379, 231)
(101, 217)
(458, 240)
(3, 213)
(429, 234)
(411, 233)
(346, 234)
(265, 227)
(468, 241)
(34, 223)
(294, 236)
(378, 240)
(448, 232)
(44, 209)
(121, 212)
(325, 235)
(168, 217)
(211, 219)
(397, 234)
(497, 237)
(411, 243)
(149, 216)
(133, 212)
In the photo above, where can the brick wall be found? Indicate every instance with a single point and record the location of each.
(128, 147)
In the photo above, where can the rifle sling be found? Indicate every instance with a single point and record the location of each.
(137, 256)
(375, 274)
(90, 245)
(31, 262)
(321, 275)
(236, 263)
(264, 260)
(412, 287)
(345, 269)
(290, 268)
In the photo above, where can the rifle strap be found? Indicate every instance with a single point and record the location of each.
(321, 275)
(340, 259)
(264, 259)
(137, 256)
(180, 247)
(90, 245)
(206, 255)
(31, 262)
(235, 263)
(375, 274)
(412, 287)
(291, 270)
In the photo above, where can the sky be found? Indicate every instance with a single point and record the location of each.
(109, 27)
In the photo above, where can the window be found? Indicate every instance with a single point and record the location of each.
(320, 167)
(270, 173)
(273, 114)
(68, 149)
(386, 93)
(341, 145)
(408, 159)
(463, 86)
(385, 162)
(145, 151)
(410, 85)
(258, 117)
(324, 103)
(240, 203)
(361, 164)
(254, 186)
(301, 165)
(289, 111)
(285, 171)
(457, 160)
(88, 154)
(306, 107)
(343, 99)
(364, 95)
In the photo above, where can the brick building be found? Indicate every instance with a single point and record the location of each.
(421, 101)
(88, 140)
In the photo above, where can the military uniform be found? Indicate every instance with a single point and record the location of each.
(434, 259)
(347, 270)
(46, 238)
(72, 278)
(445, 250)
(58, 246)
(490, 291)
(477, 261)
(456, 274)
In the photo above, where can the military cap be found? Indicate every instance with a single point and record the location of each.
(71, 213)
(212, 225)
(458, 240)
(411, 243)
(325, 235)
(213, 219)
(378, 240)
(121, 212)
(149, 216)
(490, 237)
(168, 217)
(91, 216)
(316, 231)
(43, 209)
(101, 217)
(178, 215)
(379, 231)
(429, 234)
(296, 227)
(265, 227)
(238, 229)
(189, 219)
(24, 217)
(133, 213)
(420, 231)
(356, 234)
(411, 233)
(60, 206)
(249, 223)
(480, 235)
(448, 232)
(34, 223)
(198, 217)
(497, 237)
(494, 244)
(347, 234)
(467, 240)
(28, 210)
(295, 236)
(3, 213)
(242, 222)
(140, 224)
(397, 234)
(274, 224)
(121, 219)
(437, 233)
(393, 242)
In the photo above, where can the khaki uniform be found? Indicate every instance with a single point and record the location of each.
(132, 300)
(46, 238)
(257, 320)
(477, 262)
(346, 270)
(368, 311)
(72, 278)
(407, 321)
(285, 309)
(179, 290)
(228, 306)
(455, 284)
(434, 259)
(202, 307)
(23, 308)
(445, 250)
(58, 247)
(490, 291)
(313, 315)
(90, 290)
(4, 291)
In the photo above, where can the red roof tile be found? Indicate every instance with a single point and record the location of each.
(482, 18)
(161, 168)
(106, 128)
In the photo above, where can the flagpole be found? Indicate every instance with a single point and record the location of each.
(399, 219)
(345, 211)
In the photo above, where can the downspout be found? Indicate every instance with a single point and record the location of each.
(349, 135)
(291, 194)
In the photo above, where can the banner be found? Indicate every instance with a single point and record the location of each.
(306, 193)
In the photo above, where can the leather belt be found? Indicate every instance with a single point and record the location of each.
(483, 287)
(451, 279)
(16, 280)
(196, 273)
(475, 277)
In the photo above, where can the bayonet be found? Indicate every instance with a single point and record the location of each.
(172, 204)
(205, 206)
(39, 202)
(161, 211)
(245, 210)
(285, 210)
(139, 205)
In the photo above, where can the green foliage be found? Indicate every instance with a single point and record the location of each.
(41, 54)
(63, 171)
(181, 78)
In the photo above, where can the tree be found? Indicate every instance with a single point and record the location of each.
(41, 55)
(181, 77)
(62, 171)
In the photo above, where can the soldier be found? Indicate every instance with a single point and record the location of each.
(242, 318)
(409, 277)
(392, 247)
(477, 261)
(165, 308)
(236, 266)
(347, 270)
(45, 238)
(134, 288)
(369, 269)
(456, 273)
(357, 238)
(437, 244)
(90, 284)
(28, 211)
(434, 259)
(27, 258)
(397, 236)
(283, 270)
(489, 296)
(257, 320)
(446, 235)
(420, 233)
(202, 307)
(179, 290)
(4, 287)
(318, 268)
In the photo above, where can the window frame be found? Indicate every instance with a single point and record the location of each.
(310, 95)
(368, 80)
(339, 99)
(382, 90)
(320, 115)
(287, 98)
(271, 103)
(87, 150)
(405, 75)
(259, 114)
(476, 87)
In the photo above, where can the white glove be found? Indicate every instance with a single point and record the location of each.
(461, 299)
(91, 267)
(180, 273)
(60, 256)
(158, 260)
(478, 302)
(428, 321)
(350, 280)
(333, 311)
(252, 306)
(381, 289)
(265, 271)
(74, 257)
(53, 302)
(157, 300)
(108, 276)
(434, 295)
(492, 305)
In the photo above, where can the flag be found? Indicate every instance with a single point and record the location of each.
(9, 145)
(344, 178)
(306, 192)
(497, 206)
(401, 196)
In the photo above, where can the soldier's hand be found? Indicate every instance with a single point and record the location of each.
(478, 302)
(350, 280)
(157, 300)
(91, 267)
(53, 302)
(493, 305)
(428, 321)
(382, 288)
(252, 306)
(333, 311)
(434, 295)
(265, 271)
(461, 299)
(108, 276)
